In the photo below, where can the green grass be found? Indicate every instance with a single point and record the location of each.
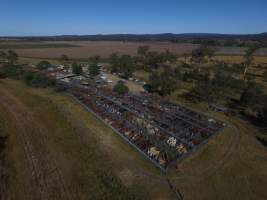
(36, 45)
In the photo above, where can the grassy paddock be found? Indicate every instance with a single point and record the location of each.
(231, 166)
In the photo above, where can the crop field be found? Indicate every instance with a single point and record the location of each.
(83, 157)
(85, 49)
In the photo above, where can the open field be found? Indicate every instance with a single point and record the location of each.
(39, 45)
(86, 49)
(82, 149)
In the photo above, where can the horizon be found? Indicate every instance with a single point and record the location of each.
(52, 18)
(138, 34)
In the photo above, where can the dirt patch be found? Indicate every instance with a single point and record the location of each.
(127, 177)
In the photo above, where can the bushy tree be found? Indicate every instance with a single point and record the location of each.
(206, 91)
(114, 62)
(94, 70)
(12, 57)
(3, 55)
(126, 66)
(163, 83)
(253, 95)
(142, 50)
(200, 54)
(95, 59)
(123, 64)
(262, 113)
(152, 60)
(37, 80)
(249, 57)
(65, 60)
(121, 88)
(43, 65)
(77, 69)
(11, 71)
(265, 75)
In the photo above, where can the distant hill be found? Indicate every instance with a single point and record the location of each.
(141, 37)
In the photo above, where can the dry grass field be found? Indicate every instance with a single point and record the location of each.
(232, 166)
(85, 49)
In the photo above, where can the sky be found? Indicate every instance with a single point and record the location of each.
(81, 17)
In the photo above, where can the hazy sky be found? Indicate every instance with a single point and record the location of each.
(56, 17)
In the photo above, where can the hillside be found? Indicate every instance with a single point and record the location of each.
(140, 37)
(57, 150)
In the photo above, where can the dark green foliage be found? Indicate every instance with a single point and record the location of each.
(167, 56)
(265, 75)
(199, 55)
(262, 112)
(124, 65)
(94, 70)
(252, 96)
(163, 83)
(95, 59)
(249, 57)
(3, 55)
(142, 50)
(64, 59)
(4, 175)
(12, 57)
(152, 60)
(177, 73)
(206, 91)
(114, 61)
(121, 88)
(37, 80)
(225, 81)
(77, 69)
(11, 71)
(43, 65)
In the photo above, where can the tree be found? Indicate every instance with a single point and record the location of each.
(77, 69)
(9, 70)
(152, 60)
(206, 91)
(43, 65)
(262, 113)
(114, 61)
(185, 57)
(142, 50)
(249, 57)
(64, 59)
(252, 95)
(168, 83)
(163, 83)
(167, 56)
(126, 66)
(94, 70)
(265, 75)
(3, 55)
(199, 55)
(12, 57)
(94, 59)
(121, 88)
